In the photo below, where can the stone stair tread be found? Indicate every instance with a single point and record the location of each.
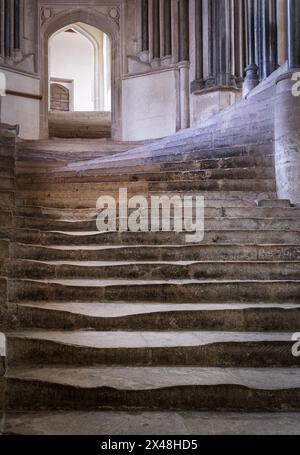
(117, 233)
(146, 378)
(146, 340)
(120, 309)
(96, 246)
(81, 282)
(83, 263)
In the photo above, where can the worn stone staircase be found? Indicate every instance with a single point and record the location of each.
(144, 320)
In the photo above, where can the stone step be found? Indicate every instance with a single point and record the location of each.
(90, 190)
(160, 316)
(243, 236)
(159, 270)
(44, 213)
(212, 198)
(154, 422)
(152, 388)
(93, 167)
(74, 204)
(205, 349)
(163, 176)
(205, 252)
(215, 223)
(172, 153)
(80, 125)
(185, 291)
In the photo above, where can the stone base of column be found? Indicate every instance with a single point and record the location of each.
(251, 80)
(287, 138)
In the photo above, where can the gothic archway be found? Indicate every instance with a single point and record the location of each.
(107, 23)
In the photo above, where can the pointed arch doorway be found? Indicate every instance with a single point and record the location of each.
(108, 26)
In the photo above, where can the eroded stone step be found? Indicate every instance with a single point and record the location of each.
(212, 198)
(265, 236)
(154, 270)
(88, 168)
(157, 176)
(210, 223)
(205, 252)
(92, 189)
(181, 291)
(160, 316)
(206, 349)
(48, 214)
(231, 389)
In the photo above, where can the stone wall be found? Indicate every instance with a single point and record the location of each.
(7, 202)
(150, 107)
(21, 104)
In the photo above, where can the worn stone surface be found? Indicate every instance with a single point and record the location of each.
(86, 125)
(172, 325)
(158, 423)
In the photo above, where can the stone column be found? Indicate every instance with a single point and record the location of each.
(211, 79)
(269, 55)
(184, 45)
(167, 29)
(265, 63)
(7, 27)
(198, 83)
(282, 30)
(145, 25)
(223, 23)
(16, 24)
(294, 33)
(184, 64)
(12, 21)
(239, 42)
(287, 115)
(252, 78)
(2, 28)
(273, 36)
(156, 29)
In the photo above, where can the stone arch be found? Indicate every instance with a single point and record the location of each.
(105, 24)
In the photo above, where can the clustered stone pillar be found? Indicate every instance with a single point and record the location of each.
(262, 41)
(222, 30)
(156, 31)
(10, 27)
(184, 63)
(287, 115)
